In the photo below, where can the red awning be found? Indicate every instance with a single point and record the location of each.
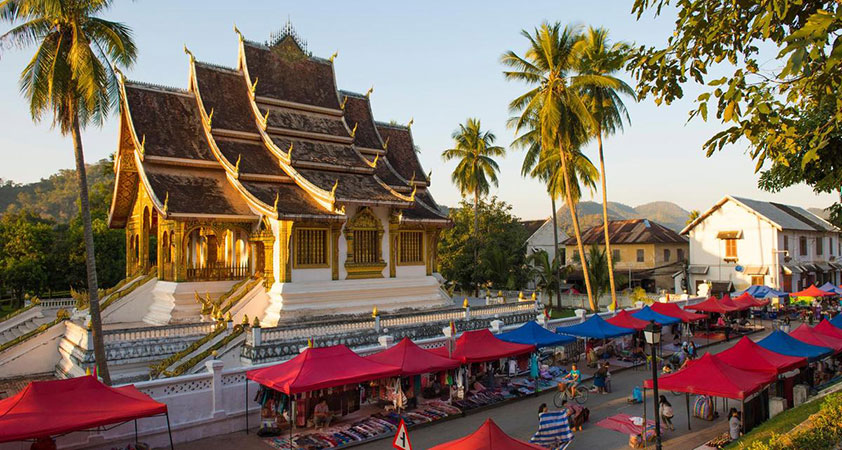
(626, 320)
(746, 299)
(726, 300)
(713, 305)
(412, 359)
(481, 346)
(672, 310)
(810, 336)
(811, 291)
(321, 368)
(49, 408)
(827, 328)
(488, 437)
(747, 355)
(709, 375)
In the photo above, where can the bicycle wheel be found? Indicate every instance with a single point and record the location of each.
(582, 393)
(557, 399)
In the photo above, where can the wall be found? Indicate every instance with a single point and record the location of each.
(34, 356)
(543, 239)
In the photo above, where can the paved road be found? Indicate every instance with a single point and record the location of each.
(519, 419)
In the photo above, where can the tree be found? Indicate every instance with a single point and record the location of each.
(600, 271)
(694, 214)
(71, 76)
(780, 92)
(554, 100)
(476, 170)
(603, 59)
(546, 273)
(26, 260)
(502, 258)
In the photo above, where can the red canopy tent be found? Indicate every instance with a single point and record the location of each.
(320, 368)
(713, 305)
(827, 328)
(810, 336)
(811, 291)
(49, 408)
(487, 437)
(747, 355)
(726, 300)
(626, 320)
(746, 299)
(412, 359)
(672, 310)
(709, 375)
(481, 346)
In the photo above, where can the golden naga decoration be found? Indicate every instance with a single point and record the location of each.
(236, 30)
(210, 118)
(429, 175)
(167, 203)
(198, 299)
(344, 100)
(386, 143)
(354, 131)
(334, 55)
(188, 52)
(333, 189)
(411, 121)
(254, 85)
(369, 91)
(373, 164)
(414, 191)
(275, 206)
(266, 118)
(237, 165)
(412, 180)
(289, 152)
(142, 148)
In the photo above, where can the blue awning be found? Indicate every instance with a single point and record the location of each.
(837, 321)
(533, 334)
(760, 291)
(648, 315)
(596, 328)
(780, 342)
(830, 287)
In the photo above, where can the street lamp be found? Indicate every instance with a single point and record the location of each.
(652, 332)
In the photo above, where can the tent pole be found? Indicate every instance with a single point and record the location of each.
(169, 430)
(135, 432)
(687, 400)
(247, 406)
(743, 417)
(643, 434)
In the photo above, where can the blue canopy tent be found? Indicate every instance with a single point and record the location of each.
(596, 328)
(533, 334)
(830, 287)
(780, 342)
(837, 321)
(760, 291)
(648, 314)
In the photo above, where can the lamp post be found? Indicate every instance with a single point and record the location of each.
(652, 332)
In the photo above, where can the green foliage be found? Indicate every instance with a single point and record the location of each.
(475, 151)
(546, 273)
(638, 294)
(501, 262)
(598, 271)
(822, 431)
(780, 91)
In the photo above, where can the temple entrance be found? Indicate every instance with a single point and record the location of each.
(217, 254)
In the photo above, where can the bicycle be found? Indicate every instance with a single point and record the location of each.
(563, 393)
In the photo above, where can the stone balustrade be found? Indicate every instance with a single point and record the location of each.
(50, 303)
(169, 331)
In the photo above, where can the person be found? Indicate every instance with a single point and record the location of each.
(734, 425)
(571, 380)
(553, 428)
(691, 350)
(575, 415)
(720, 322)
(322, 415)
(666, 412)
(599, 378)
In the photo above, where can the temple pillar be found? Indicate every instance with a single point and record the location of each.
(179, 260)
(394, 232)
(284, 236)
(335, 230)
(429, 240)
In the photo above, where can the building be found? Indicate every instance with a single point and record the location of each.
(739, 242)
(268, 170)
(644, 253)
(541, 237)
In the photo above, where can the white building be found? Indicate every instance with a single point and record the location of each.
(740, 242)
(541, 237)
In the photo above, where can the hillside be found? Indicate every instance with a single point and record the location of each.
(667, 214)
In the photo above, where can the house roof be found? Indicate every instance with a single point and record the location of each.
(633, 231)
(782, 217)
(532, 226)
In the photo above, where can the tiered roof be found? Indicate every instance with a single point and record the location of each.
(273, 137)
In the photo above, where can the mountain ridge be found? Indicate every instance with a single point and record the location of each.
(665, 213)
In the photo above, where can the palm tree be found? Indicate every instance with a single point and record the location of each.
(476, 170)
(549, 67)
(601, 58)
(546, 273)
(71, 76)
(694, 214)
(600, 273)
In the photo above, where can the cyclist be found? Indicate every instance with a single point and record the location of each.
(571, 380)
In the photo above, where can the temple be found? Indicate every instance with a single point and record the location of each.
(269, 171)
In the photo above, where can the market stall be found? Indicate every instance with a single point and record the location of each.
(712, 305)
(482, 346)
(648, 314)
(749, 301)
(487, 437)
(806, 334)
(531, 333)
(827, 328)
(780, 342)
(837, 321)
(831, 288)
(761, 291)
(595, 328)
(747, 355)
(56, 407)
(625, 319)
(413, 360)
(673, 310)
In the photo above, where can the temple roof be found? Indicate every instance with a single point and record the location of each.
(401, 151)
(195, 191)
(291, 202)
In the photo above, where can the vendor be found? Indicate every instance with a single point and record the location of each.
(322, 415)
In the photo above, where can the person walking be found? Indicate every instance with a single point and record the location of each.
(666, 412)
(553, 428)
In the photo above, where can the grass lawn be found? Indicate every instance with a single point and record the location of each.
(556, 313)
(779, 424)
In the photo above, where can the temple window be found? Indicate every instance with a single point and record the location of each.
(311, 247)
(366, 246)
(364, 234)
(411, 247)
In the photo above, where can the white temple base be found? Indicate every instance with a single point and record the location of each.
(176, 302)
(352, 296)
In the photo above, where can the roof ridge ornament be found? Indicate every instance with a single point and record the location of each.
(333, 56)
(411, 121)
(275, 206)
(333, 189)
(369, 91)
(167, 203)
(288, 31)
(237, 165)
(429, 176)
(344, 101)
(266, 118)
(354, 131)
(142, 148)
(254, 85)
(289, 152)
(189, 53)
(414, 190)
(237, 30)
(373, 164)
(386, 143)
(210, 118)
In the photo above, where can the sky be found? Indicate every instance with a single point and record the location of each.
(436, 62)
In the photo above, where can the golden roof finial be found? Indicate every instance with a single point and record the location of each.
(334, 55)
(289, 152)
(266, 118)
(412, 180)
(369, 91)
(188, 52)
(208, 298)
(120, 76)
(245, 320)
(254, 85)
(237, 165)
(333, 190)
(414, 190)
(411, 121)
(386, 143)
(198, 299)
(429, 175)
(210, 118)
(354, 131)
(167, 203)
(376, 158)
(342, 105)
(374, 312)
(277, 197)
(465, 303)
(236, 30)
(142, 148)
(256, 322)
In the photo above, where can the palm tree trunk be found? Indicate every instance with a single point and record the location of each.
(90, 259)
(608, 254)
(555, 241)
(572, 207)
(476, 243)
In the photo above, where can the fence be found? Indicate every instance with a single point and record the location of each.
(218, 272)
